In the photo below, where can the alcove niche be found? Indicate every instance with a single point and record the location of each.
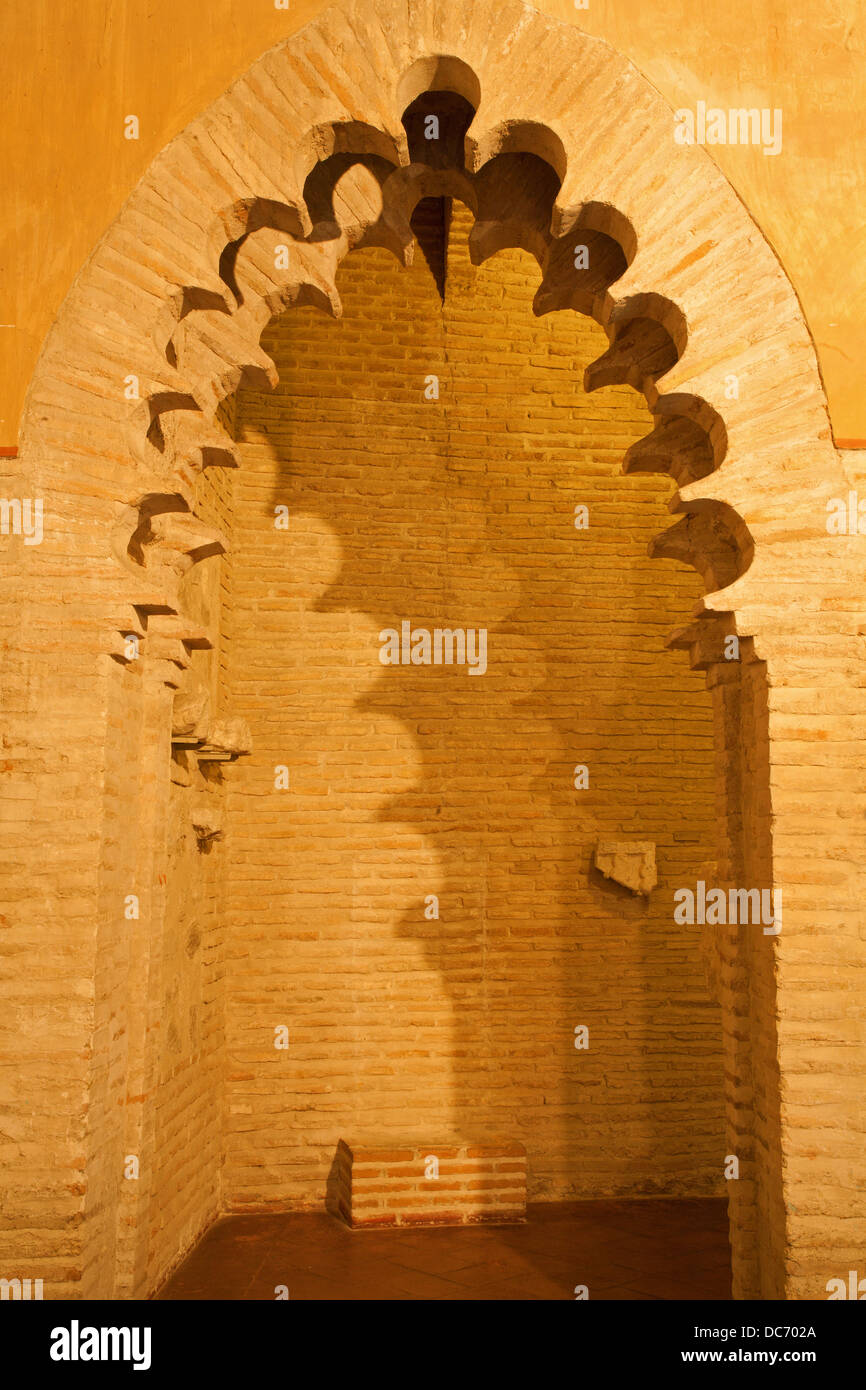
(409, 869)
(160, 1051)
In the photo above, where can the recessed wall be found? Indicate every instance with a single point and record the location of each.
(412, 782)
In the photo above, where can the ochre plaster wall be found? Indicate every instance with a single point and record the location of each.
(72, 73)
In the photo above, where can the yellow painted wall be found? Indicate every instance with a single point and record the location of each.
(72, 72)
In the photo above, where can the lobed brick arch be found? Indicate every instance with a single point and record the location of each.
(568, 143)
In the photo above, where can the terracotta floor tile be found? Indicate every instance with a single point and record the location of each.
(621, 1250)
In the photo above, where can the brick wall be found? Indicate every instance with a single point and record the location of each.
(430, 1185)
(401, 783)
(184, 1142)
(406, 782)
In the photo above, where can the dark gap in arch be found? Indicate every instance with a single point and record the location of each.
(431, 227)
(436, 124)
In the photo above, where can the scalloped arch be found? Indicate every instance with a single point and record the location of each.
(152, 305)
(342, 83)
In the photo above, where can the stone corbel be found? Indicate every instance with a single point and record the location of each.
(211, 740)
(226, 739)
(631, 863)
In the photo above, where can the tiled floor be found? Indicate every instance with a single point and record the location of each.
(650, 1249)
